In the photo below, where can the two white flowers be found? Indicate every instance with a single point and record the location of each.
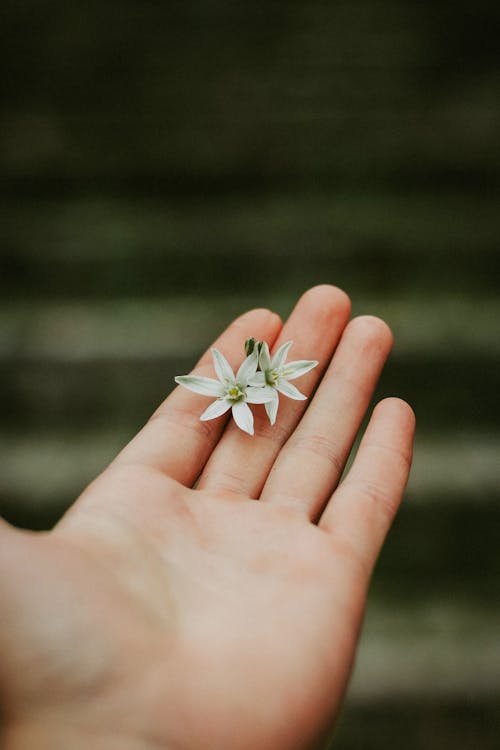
(259, 380)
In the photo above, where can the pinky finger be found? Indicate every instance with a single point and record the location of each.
(362, 509)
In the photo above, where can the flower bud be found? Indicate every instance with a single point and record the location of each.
(250, 345)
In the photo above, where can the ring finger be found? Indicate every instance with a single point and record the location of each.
(310, 465)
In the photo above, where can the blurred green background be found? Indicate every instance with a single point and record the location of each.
(165, 165)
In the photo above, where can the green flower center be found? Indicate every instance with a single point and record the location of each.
(234, 393)
(272, 377)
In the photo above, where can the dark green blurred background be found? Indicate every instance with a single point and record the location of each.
(165, 165)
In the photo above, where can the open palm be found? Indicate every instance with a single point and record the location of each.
(159, 616)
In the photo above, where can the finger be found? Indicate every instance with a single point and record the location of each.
(310, 465)
(240, 463)
(362, 509)
(175, 441)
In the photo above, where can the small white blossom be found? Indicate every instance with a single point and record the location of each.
(232, 391)
(276, 374)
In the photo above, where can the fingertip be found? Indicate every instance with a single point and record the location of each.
(372, 334)
(259, 317)
(399, 408)
(393, 424)
(374, 327)
(260, 323)
(328, 294)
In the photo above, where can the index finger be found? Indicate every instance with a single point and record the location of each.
(174, 441)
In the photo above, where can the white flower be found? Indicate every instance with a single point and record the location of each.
(232, 391)
(276, 373)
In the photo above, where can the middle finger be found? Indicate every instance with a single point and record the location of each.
(240, 463)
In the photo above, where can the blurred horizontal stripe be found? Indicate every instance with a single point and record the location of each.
(52, 393)
(182, 326)
(446, 469)
(419, 246)
(419, 723)
(95, 228)
(435, 649)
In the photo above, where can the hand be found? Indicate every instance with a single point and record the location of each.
(155, 615)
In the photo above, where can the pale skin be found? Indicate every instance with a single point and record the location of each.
(155, 615)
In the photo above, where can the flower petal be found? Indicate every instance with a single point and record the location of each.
(280, 356)
(260, 395)
(295, 369)
(248, 368)
(272, 408)
(216, 408)
(258, 379)
(222, 367)
(198, 384)
(287, 389)
(243, 417)
(265, 357)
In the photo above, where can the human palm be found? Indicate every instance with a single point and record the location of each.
(157, 615)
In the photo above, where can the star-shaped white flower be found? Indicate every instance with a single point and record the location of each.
(276, 374)
(231, 391)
